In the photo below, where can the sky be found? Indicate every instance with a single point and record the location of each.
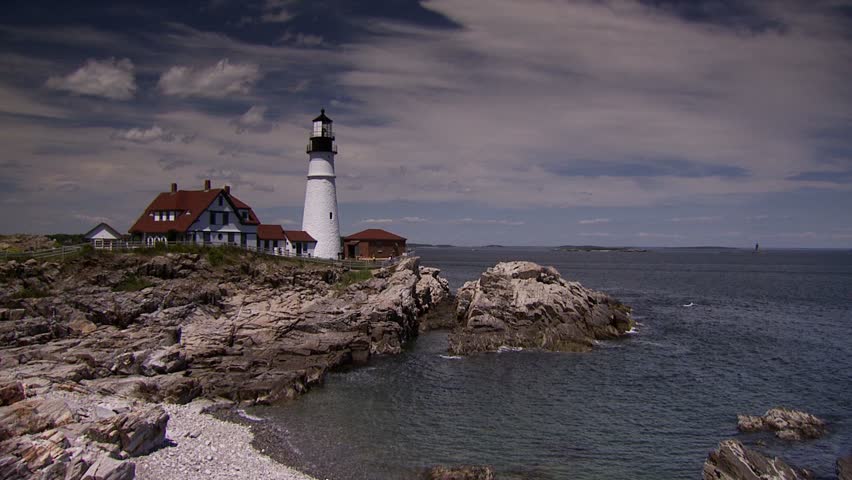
(465, 122)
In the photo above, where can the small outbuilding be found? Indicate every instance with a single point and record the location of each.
(300, 243)
(103, 236)
(373, 243)
(293, 243)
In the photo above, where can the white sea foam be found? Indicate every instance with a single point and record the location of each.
(632, 331)
(450, 357)
(504, 349)
(249, 416)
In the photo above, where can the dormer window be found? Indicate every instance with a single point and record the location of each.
(221, 200)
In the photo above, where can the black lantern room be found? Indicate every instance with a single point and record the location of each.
(322, 135)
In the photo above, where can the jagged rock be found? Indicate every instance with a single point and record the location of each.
(466, 472)
(432, 289)
(843, 468)
(11, 392)
(136, 432)
(164, 360)
(733, 461)
(33, 415)
(107, 468)
(787, 424)
(522, 304)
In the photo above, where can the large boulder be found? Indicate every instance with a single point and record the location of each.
(734, 461)
(432, 289)
(522, 304)
(787, 424)
(136, 432)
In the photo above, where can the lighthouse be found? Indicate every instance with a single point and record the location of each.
(320, 216)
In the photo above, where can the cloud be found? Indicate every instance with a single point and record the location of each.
(153, 134)
(253, 120)
(704, 219)
(413, 219)
(92, 219)
(284, 221)
(594, 234)
(302, 40)
(170, 163)
(377, 220)
(217, 81)
(843, 177)
(662, 236)
(487, 221)
(592, 221)
(108, 78)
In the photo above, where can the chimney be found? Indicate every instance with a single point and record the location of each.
(174, 188)
(228, 189)
(206, 185)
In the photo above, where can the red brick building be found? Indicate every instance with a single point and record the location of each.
(373, 243)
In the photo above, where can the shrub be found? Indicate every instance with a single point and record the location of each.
(354, 276)
(132, 283)
(29, 292)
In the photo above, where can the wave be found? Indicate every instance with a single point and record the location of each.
(450, 357)
(249, 416)
(504, 349)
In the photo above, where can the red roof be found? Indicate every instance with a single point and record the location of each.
(189, 204)
(298, 236)
(270, 232)
(374, 234)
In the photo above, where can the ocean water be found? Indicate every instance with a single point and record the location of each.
(764, 330)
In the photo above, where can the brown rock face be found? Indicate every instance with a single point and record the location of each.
(522, 304)
(466, 472)
(136, 432)
(733, 461)
(844, 468)
(787, 424)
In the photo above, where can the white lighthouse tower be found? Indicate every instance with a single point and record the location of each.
(320, 215)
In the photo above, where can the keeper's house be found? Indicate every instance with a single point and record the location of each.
(213, 216)
(208, 216)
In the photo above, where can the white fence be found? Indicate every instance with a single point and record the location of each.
(119, 245)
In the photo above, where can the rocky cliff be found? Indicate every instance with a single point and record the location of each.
(173, 327)
(522, 304)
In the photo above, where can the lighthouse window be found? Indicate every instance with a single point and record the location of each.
(330, 216)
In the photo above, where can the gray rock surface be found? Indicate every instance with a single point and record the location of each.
(522, 304)
(787, 424)
(171, 328)
(734, 461)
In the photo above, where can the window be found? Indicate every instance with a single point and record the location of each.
(330, 216)
(245, 214)
(212, 218)
(224, 218)
(266, 244)
(221, 200)
(171, 215)
(230, 238)
(220, 237)
(206, 237)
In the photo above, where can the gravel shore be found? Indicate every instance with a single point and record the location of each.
(201, 446)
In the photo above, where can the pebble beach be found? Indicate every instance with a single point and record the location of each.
(201, 446)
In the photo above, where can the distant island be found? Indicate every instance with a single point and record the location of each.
(429, 245)
(595, 248)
